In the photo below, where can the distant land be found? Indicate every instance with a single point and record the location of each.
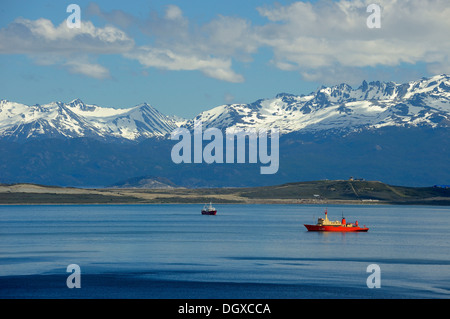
(385, 131)
(313, 192)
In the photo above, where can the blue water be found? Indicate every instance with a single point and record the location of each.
(246, 251)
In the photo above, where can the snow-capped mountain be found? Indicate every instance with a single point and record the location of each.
(425, 102)
(373, 105)
(76, 119)
(396, 133)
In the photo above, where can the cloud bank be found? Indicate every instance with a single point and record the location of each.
(320, 40)
(48, 44)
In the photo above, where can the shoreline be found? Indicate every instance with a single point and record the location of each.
(264, 202)
(304, 193)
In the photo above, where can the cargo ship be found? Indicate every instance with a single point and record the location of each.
(326, 225)
(209, 210)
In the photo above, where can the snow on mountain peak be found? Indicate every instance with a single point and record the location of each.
(340, 107)
(425, 102)
(77, 119)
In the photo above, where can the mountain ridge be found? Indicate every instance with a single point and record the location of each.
(375, 104)
(77, 119)
(398, 133)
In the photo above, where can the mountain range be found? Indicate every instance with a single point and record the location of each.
(77, 119)
(395, 133)
(425, 102)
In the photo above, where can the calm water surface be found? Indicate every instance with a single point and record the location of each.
(246, 251)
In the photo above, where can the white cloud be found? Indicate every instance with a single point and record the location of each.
(76, 64)
(173, 12)
(61, 46)
(92, 70)
(320, 40)
(169, 60)
(180, 45)
(316, 38)
(25, 36)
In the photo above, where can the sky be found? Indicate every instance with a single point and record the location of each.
(185, 57)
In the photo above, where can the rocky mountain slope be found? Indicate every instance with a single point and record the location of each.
(425, 102)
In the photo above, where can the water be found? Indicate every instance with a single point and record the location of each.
(246, 251)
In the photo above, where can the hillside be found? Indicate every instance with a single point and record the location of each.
(314, 192)
(351, 190)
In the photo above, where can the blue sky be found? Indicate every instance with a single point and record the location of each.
(185, 57)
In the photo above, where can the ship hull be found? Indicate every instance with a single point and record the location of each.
(214, 212)
(341, 229)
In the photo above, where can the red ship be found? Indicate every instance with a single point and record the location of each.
(209, 210)
(326, 225)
